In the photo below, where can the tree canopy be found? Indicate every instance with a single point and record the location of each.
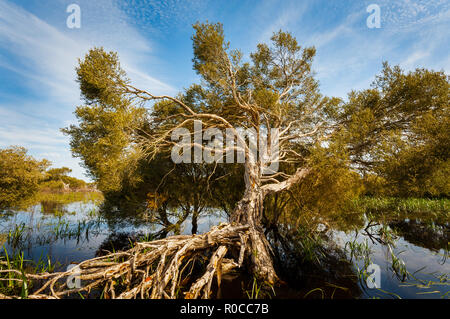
(398, 132)
(393, 134)
(317, 148)
(20, 175)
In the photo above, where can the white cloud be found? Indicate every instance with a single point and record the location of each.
(290, 15)
(408, 14)
(45, 57)
(30, 137)
(412, 35)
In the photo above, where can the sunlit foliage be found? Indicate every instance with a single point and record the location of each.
(20, 175)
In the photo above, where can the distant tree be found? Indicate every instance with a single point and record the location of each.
(20, 175)
(57, 179)
(58, 173)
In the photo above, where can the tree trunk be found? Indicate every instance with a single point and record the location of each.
(249, 211)
(195, 222)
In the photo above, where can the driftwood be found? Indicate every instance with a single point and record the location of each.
(149, 269)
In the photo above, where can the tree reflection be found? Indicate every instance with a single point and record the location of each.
(423, 234)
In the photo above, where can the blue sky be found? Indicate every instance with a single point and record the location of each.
(38, 52)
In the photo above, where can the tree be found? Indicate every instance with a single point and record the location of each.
(274, 95)
(110, 125)
(107, 123)
(20, 175)
(57, 174)
(57, 179)
(398, 132)
(276, 91)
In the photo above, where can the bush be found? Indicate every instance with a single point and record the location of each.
(52, 186)
(20, 175)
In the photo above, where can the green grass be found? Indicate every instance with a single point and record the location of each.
(70, 197)
(15, 283)
(400, 208)
(403, 204)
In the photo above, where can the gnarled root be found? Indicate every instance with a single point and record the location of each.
(150, 269)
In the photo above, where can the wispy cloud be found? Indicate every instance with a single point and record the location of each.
(45, 57)
(289, 16)
(412, 34)
(408, 14)
(163, 16)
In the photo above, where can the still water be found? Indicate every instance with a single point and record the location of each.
(71, 232)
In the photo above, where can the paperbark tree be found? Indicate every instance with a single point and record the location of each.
(276, 92)
(274, 95)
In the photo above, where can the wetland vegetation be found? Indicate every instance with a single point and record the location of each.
(357, 207)
(61, 229)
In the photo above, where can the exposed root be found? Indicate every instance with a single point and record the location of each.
(148, 270)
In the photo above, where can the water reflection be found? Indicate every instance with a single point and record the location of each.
(72, 231)
(427, 235)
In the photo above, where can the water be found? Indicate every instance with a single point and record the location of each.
(75, 231)
(429, 267)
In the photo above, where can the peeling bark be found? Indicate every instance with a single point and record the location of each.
(249, 211)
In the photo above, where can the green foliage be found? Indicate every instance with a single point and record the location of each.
(329, 187)
(57, 179)
(101, 78)
(20, 175)
(400, 131)
(103, 139)
(275, 87)
(392, 137)
(319, 199)
(420, 165)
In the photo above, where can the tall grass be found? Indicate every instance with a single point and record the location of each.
(70, 197)
(403, 204)
(437, 210)
(20, 234)
(15, 283)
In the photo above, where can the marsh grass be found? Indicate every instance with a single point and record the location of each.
(436, 209)
(16, 283)
(254, 293)
(382, 234)
(41, 234)
(70, 197)
(358, 250)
